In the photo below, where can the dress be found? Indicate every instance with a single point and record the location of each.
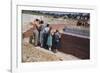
(49, 41)
(57, 40)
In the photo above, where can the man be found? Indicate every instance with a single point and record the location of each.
(41, 32)
(35, 25)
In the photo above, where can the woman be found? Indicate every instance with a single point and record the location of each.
(49, 39)
(45, 36)
(56, 41)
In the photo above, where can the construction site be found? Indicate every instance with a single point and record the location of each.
(75, 36)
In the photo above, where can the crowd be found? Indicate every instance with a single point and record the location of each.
(44, 36)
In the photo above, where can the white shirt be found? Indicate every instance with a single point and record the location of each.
(46, 29)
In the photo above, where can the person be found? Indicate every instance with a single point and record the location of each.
(45, 36)
(56, 43)
(41, 31)
(35, 25)
(47, 28)
(49, 39)
(53, 42)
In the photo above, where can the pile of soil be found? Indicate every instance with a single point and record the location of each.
(33, 54)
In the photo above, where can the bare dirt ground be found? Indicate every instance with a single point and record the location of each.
(37, 54)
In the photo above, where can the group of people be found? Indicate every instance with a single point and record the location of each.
(44, 36)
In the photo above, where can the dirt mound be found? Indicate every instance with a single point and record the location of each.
(32, 54)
